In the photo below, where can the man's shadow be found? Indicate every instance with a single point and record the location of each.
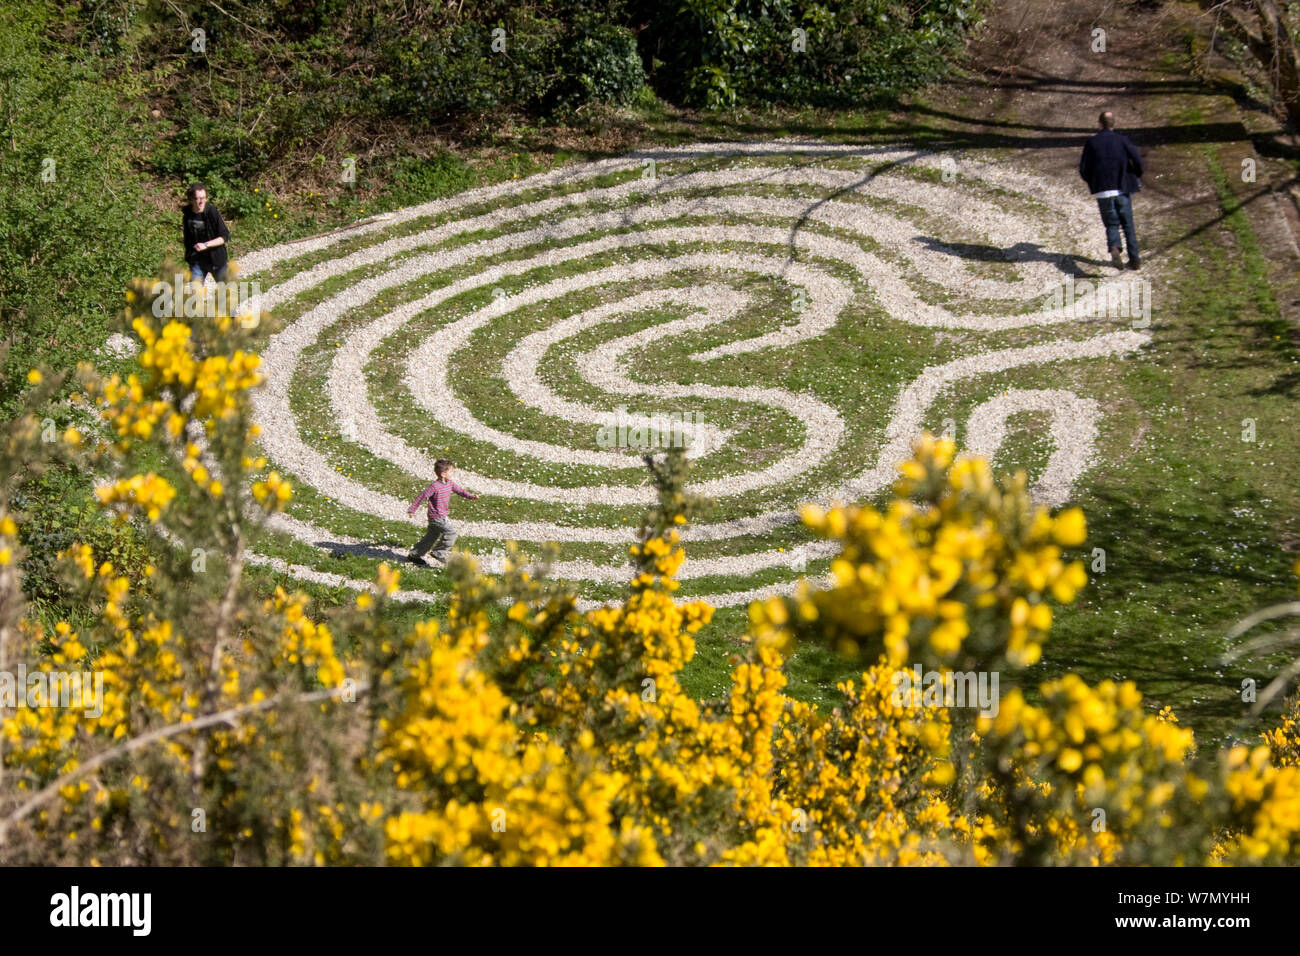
(1068, 264)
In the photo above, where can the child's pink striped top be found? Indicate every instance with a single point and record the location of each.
(439, 496)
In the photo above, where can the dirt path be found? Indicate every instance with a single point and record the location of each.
(1036, 86)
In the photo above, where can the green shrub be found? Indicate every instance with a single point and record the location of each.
(604, 65)
(719, 53)
(215, 151)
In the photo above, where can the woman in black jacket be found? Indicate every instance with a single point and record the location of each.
(206, 235)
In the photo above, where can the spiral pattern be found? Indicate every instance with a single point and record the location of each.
(772, 297)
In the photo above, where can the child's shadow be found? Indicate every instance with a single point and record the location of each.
(378, 550)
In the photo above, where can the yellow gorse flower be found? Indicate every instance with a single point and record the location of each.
(149, 493)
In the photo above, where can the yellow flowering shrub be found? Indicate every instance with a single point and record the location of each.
(1264, 808)
(237, 723)
(1283, 741)
(487, 793)
(956, 572)
(149, 493)
(858, 775)
(1089, 776)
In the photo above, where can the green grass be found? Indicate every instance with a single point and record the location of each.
(1196, 522)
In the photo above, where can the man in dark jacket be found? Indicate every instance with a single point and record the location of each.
(206, 236)
(1112, 168)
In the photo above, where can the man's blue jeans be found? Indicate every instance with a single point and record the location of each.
(1117, 214)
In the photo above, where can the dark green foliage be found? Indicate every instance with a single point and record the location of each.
(216, 152)
(420, 180)
(56, 513)
(721, 53)
(535, 63)
(603, 64)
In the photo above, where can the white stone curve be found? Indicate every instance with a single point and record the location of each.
(904, 424)
(430, 388)
(1073, 429)
(346, 377)
(993, 172)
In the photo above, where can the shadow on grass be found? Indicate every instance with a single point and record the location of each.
(983, 132)
(1178, 579)
(385, 550)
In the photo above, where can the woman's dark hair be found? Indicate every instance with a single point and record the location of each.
(441, 465)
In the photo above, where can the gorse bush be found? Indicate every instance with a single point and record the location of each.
(237, 724)
(956, 573)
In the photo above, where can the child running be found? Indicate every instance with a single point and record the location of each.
(440, 535)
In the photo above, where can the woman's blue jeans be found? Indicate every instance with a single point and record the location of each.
(198, 273)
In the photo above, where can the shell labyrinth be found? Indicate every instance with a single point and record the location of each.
(794, 312)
